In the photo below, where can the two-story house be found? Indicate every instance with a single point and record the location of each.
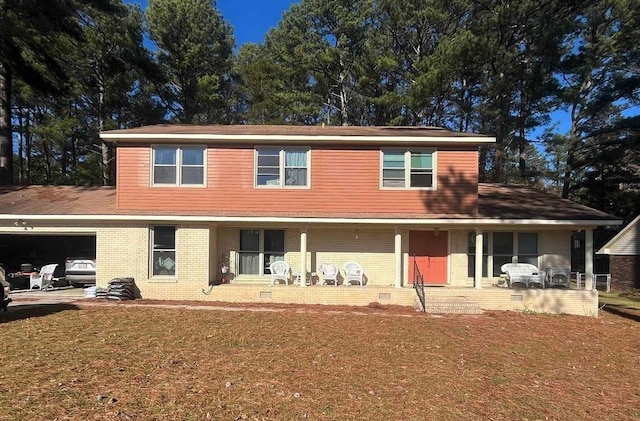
(399, 201)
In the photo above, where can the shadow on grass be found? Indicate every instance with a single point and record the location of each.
(34, 310)
(623, 312)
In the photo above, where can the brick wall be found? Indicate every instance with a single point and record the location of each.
(625, 272)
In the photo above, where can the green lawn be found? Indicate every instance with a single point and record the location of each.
(615, 299)
(144, 363)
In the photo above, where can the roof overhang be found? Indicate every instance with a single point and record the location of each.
(440, 222)
(306, 139)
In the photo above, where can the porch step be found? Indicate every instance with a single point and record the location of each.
(450, 305)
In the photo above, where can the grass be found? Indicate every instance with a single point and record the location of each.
(618, 299)
(119, 362)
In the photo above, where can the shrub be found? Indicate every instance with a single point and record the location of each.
(633, 294)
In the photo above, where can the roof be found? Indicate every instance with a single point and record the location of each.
(495, 203)
(626, 242)
(279, 133)
(57, 200)
(509, 201)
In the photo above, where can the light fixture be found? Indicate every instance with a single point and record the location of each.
(21, 223)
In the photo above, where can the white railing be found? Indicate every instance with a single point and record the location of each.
(602, 278)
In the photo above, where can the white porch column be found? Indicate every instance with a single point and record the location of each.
(398, 256)
(303, 256)
(589, 283)
(477, 279)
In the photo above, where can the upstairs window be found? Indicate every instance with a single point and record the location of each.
(407, 169)
(178, 166)
(282, 167)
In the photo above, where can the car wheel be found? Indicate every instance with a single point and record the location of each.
(76, 285)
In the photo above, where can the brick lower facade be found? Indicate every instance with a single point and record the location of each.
(625, 272)
(200, 248)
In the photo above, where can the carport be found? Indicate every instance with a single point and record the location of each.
(40, 225)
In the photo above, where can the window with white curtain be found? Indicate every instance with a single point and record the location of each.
(258, 249)
(282, 167)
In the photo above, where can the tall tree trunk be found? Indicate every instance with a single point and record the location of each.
(104, 148)
(27, 146)
(20, 115)
(522, 159)
(6, 139)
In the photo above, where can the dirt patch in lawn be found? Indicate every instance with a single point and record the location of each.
(118, 362)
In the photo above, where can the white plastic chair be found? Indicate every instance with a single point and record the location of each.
(329, 273)
(279, 270)
(44, 278)
(353, 273)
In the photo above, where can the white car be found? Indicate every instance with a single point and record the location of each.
(80, 271)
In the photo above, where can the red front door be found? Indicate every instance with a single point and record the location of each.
(429, 250)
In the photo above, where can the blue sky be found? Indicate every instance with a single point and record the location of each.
(251, 19)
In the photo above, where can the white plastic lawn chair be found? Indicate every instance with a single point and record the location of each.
(353, 273)
(329, 273)
(44, 279)
(279, 271)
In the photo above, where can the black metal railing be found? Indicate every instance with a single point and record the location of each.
(418, 285)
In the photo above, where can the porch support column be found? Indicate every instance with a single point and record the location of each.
(303, 256)
(589, 282)
(398, 256)
(477, 279)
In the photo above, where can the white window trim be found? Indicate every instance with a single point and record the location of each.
(261, 252)
(407, 168)
(281, 165)
(179, 166)
(514, 255)
(162, 278)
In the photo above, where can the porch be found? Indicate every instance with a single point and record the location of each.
(442, 300)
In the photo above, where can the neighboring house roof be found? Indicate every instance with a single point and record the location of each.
(310, 134)
(626, 242)
(495, 203)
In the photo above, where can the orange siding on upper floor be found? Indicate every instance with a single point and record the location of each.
(342, 181)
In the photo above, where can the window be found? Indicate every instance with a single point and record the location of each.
(499, 248)
(502, 250)
(282, 167)
(528, 248)
(258, 249)
(407, 169)
(163, 250)
(178, 166)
